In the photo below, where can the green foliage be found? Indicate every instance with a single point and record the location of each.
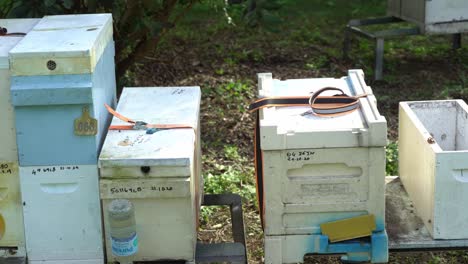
(457, 88)
(5, 7)
(232, 95)
(139, 25)
(261, 13)
(391, 152)
(316, 63)
(231, 176)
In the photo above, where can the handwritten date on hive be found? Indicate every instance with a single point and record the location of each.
(5, 169)
(299, 155)
(140, 189)
(54, 169)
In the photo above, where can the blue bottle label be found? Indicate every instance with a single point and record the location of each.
(123, 247)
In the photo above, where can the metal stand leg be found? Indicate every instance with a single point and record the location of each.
(346, 43)
(456, 41)
(225, 252)
(379, 51)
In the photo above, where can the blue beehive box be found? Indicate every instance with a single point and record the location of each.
(62, 74)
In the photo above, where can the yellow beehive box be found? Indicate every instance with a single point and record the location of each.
(11, 218)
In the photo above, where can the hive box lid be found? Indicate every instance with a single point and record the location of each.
(8, 42)
(285, 127)
(168, 148)
(65, 44)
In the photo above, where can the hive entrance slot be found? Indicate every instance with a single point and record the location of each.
(51, 65)
(145, 169)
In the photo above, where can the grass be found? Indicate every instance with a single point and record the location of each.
(391, 165)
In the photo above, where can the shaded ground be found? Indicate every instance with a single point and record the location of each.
(205, 50)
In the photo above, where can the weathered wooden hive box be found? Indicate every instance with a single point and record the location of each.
(159, 173)
(318, 169)
(433, 164)
(62, 74)
(11, 213)
(433, 17)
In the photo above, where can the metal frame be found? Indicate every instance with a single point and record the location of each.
(10, 255)
(13, 260)
(353, 27)
(225, 252)
(378, 36)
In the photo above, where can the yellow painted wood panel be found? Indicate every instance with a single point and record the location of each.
(350, 228)
(10, 205)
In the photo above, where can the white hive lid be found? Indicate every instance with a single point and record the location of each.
(80, 38)
(9, 42)
(286, 128)
(154, 105)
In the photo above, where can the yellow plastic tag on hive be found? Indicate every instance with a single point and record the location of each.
(86, 125)
(356, 227)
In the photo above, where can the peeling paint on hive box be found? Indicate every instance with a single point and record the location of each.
(10, 205)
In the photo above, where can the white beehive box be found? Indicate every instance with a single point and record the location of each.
(62, 214)
(433, 17)
(321, 169)
(433, 164)
(10, 198)
(159, 173)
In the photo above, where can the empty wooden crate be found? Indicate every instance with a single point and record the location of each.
(433, 163)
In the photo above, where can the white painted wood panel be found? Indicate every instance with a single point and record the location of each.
(62, 213)
(321, 169)
(169, 150)
(165, 227)
(74, 42)
(286, 128)
(305, 190)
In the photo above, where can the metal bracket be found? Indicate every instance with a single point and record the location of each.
(225, 252)
(12, 255)
(456, 41)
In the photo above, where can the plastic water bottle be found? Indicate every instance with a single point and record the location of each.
(123, 235)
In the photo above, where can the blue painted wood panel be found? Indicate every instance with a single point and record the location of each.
(46, 107)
